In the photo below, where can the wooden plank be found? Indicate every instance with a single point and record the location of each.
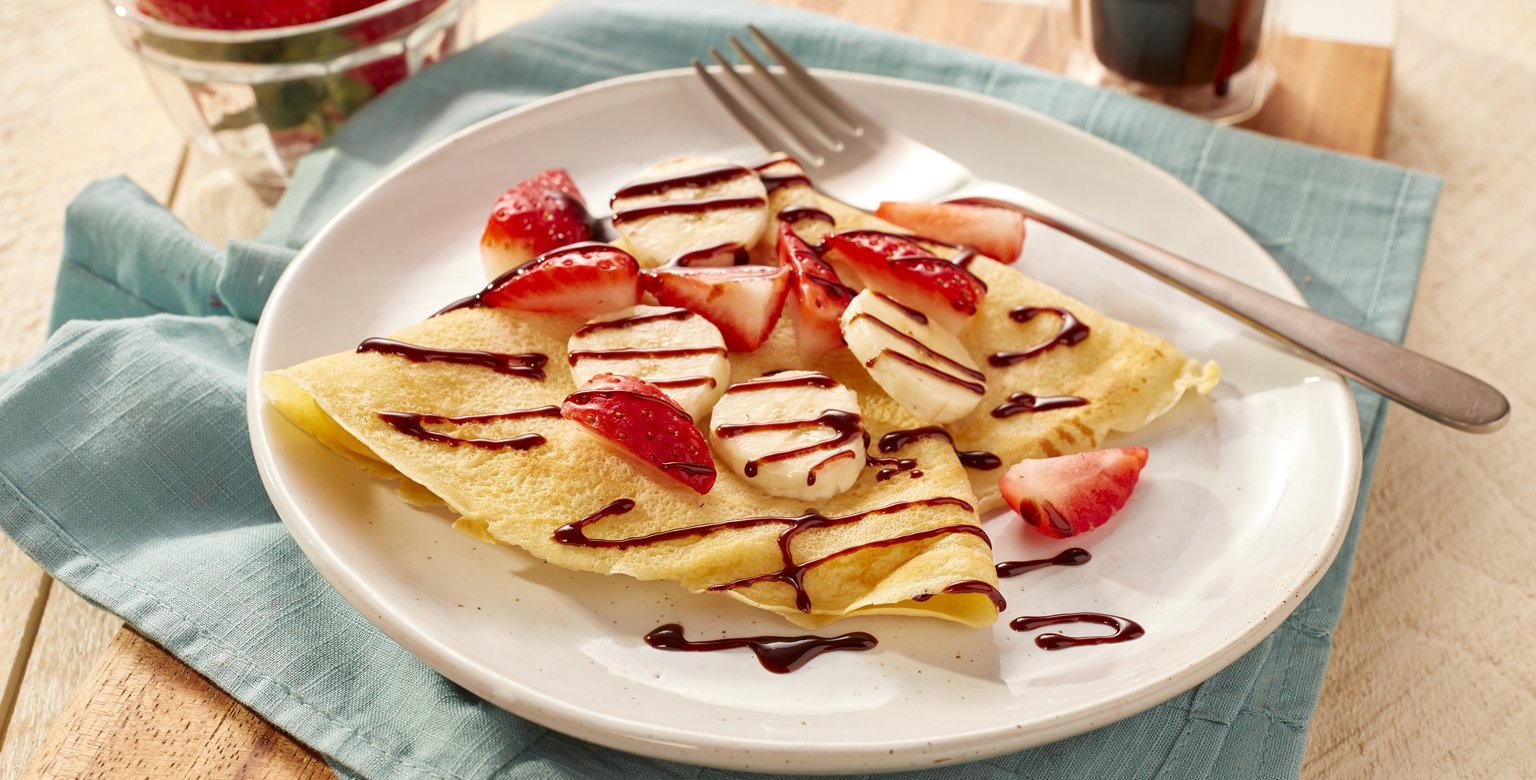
(142, 713)
(1332, 95)
(72, 636)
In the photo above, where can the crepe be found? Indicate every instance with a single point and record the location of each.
(522, 497)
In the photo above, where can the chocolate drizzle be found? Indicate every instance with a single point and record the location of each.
(1125, 629)
(414, 424)
(765, 382)
(529, 365)
(794, 214)
(773, 181)
(792, 574)
(912, 314)
(698, 257)
(682, 381)
(777, 654)
(845, 425)
(630, 322)
(1072, 556)
(772, 160)
(698, 177)
(687, 207)
(1072, 332)
(585, 396)
(642, 352)
(810, 474)
(974, 387)
(890, 467)
(972, 459)
(1019, 403)
(970, 586)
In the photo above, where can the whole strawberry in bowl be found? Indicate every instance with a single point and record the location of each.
(258, 83)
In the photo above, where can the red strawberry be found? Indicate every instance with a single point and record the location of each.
(236, 14)
(820, 296)
(1069, 495)
(995, 232)
(343, 7)
(543, 213)
(640, 420)
(585, 279)
(743, 301)
(899, 268)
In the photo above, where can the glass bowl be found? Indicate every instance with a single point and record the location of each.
(260, 99)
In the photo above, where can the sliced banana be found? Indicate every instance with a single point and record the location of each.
(691, 205)
(676, 350)
(791, 199)
(920, 365)
(795, 434)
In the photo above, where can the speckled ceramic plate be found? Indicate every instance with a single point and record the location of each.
(1240, 511)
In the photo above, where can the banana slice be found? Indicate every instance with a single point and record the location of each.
(795, 434)
(920, 365)
(674, 349)
(790, 199)
(694, 210)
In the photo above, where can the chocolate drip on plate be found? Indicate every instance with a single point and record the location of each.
(777, 654)
(1073, 556)
(1125, 629)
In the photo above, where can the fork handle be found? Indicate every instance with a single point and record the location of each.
(1426, 386)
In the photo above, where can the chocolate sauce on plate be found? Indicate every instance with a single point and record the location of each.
(792, 574)
(1125, 629)
(778, 654)
(1074, 556)
(529, 365)
(414, 424)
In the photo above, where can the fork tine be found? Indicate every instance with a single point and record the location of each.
(794, 131)
(812, 112)
(765, 135)
(835, 105)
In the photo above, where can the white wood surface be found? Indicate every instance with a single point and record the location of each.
(1432, 674)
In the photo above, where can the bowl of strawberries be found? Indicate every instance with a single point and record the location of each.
(258, 83)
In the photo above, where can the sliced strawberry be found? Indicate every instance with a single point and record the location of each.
(890, 264)
(994, 232)
(585, 279)
(638, 419)
(820, 296)
(743, 301)
(1069, 495)
(543, 213)
(236, 14)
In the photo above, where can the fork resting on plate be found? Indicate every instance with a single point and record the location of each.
(861, 162)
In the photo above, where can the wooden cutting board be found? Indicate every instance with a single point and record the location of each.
(142, 713)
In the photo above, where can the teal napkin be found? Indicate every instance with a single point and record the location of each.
(127, 473)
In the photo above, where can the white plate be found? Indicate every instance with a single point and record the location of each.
(1240, 511)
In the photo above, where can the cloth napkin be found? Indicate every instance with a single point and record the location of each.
(126, 470)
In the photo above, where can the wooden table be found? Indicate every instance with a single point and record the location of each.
(1405, 696)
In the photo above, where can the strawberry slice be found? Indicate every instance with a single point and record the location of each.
(1071, 494)
(543, 213)
(636, 418)
(820, 296)
(743, 301)
(585, 279)
(895, 266)
(995, 232)
(236, 14)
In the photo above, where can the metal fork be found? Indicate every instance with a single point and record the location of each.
(861, 162)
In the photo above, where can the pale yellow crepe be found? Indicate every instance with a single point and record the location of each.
(521, 497)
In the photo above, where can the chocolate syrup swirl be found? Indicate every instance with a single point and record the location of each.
(1072, 332)
(970, 586)
(765, 382)
(642, 352)
(687, 207)
(794, 214)
(529, 365)
(1072, 556)
(971, 459)
(1019, 403)
(777, 654)
(698, 177)
(845, 424)
(890, 467)
(624, 323)
(1125, 630)
(414, 424)
(693, 257)
(792, 574)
